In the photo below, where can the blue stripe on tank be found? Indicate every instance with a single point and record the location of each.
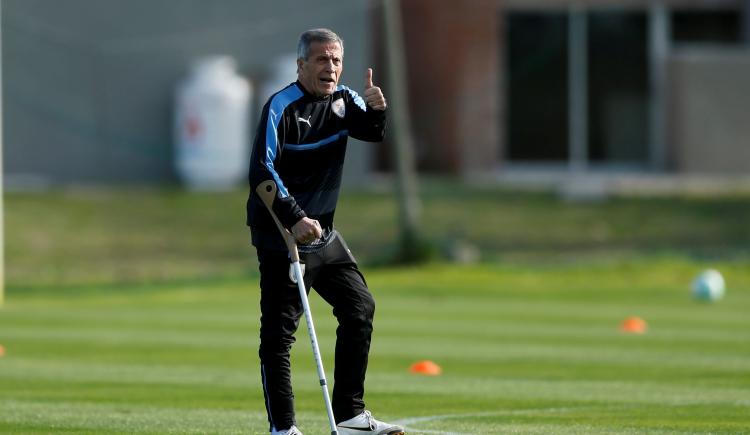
(355, 96)
(276, 108)
(318, 144)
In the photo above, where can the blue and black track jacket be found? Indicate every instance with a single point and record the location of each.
(301, 144)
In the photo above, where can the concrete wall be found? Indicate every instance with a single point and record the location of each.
(88, 84)
(710, 112)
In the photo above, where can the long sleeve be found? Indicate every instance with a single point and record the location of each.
(267, 150)
(363, 122)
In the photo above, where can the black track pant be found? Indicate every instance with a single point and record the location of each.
(333, 273)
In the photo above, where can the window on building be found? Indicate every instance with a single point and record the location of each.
(706, 26)
(536, 87)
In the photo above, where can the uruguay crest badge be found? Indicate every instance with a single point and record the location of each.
(339, 108)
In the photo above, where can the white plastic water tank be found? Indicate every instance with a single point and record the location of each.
(282, 71)
(211, 125)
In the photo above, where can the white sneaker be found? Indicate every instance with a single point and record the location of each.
(291, 431)
(365, 424)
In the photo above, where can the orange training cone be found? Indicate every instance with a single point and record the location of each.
(633, 325)
(425, 367)
(2, 351)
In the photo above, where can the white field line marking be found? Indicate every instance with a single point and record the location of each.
(406, 422)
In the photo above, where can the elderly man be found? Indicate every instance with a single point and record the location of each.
(300, 145)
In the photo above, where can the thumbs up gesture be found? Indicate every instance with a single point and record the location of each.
(373, 95)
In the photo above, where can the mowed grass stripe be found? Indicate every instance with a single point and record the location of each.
(191, 332)
(461, 357)
(72, 370)
(514, 342)
(48, 416)
(567, 390)
(206, 317)
(136, 334)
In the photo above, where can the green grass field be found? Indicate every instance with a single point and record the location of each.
(99, 340)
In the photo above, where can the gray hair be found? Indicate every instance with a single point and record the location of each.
(316, 35)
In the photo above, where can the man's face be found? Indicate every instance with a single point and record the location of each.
(320, 72)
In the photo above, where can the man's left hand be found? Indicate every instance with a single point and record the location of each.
(373, 95)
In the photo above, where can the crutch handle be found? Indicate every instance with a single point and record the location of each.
(267, 192)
